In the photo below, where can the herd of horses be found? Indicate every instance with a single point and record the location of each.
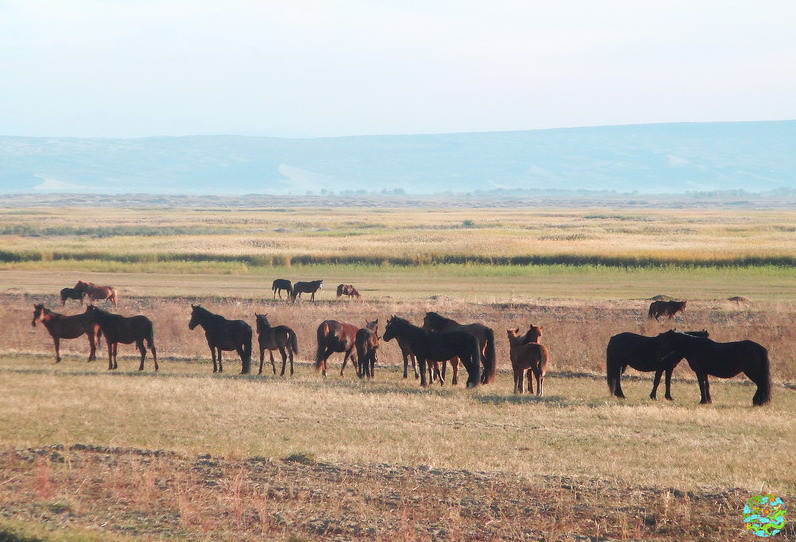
(295, 289)
(429, 348)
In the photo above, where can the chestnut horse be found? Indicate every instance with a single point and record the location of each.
(126, 330)
(643, 354)
(428, 346)
(367, 342)
(347, 289)
(95, 293)
(71, 293)
(666, 308)
(334, 336)
(68, 327)
(486, 341)
(223, 334)
(272, 338)
(532, 358)
(724, 360)
(306, 288)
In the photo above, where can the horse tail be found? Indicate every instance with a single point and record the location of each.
(612, 369)
(293, 342)
(490, 363)
(479, 378)
(247, 351)
(763, 394)
(323, 331)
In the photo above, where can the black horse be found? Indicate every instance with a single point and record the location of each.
(126, 330)
(275, 337)
(724, 360)
(282, 284)
(306, 288)
(428, 346)
(71, 293)
(640, 353)
(223, 334)
(434, 321)
(367, 344)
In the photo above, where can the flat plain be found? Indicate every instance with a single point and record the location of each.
(90, 454)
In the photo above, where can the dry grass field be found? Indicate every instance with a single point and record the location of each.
(89, 454)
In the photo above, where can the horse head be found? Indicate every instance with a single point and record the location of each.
(373, 326)
(389, 329)
(196, 314)
(38, 310)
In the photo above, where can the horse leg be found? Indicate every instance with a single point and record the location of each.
(140, 345)
(701, 378)
(707, 389)
(213, 354)
(273, 365)
(423, 381)
(220, 365)
(455, 367)
(517, 381)
(530, 373)
(345, 360)
(655, 383)
(669, 384)
(92, 343)
(262, 358)
(406, 364)
(284, 359)
(540, 384)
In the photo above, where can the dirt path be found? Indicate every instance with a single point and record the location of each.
(157, 494)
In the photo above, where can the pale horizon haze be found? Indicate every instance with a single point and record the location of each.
(124, 68)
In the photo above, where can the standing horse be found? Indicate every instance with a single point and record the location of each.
(642, 354)
(347, 289)
(126, 330)
(223, 334)
(724, 360)
(486, 341)
(71, 293)
(67, 327)
(367, 342)
(666, 308)
(272, 338)
(532, 358)
(282, 284)
(443, 346)
(96, 293)
(306, 288)
(334, 336)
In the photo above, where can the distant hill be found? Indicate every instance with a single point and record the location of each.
(652, 158)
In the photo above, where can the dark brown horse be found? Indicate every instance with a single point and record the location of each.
(334, 336)
(71, 293)
(126, 330)
(223, 334)
(533, 335)
(486, 340)
(642, 354)
(666, 308)
(367, 342)
(347, 289)
(724, 360)
(530, 357)
(438, 347)
(282, 284)
(96, 293)
(306, 288)
(68, 327)
(272, 338)
(434, 373)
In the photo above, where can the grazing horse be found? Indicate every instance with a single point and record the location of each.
(532, 358)
(306, 288)
(334, 336)
(96, 293)
(272, 338)
(126, 330)
(486, 341)
(642, 354)
(666, 308)
(367, 342)
(71, 293)
(428, 346)
(347, 289)
(67, 327)
(223, 334)
(282, 284)
(724, 360)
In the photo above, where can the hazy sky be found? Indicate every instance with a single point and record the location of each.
(120, 68)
